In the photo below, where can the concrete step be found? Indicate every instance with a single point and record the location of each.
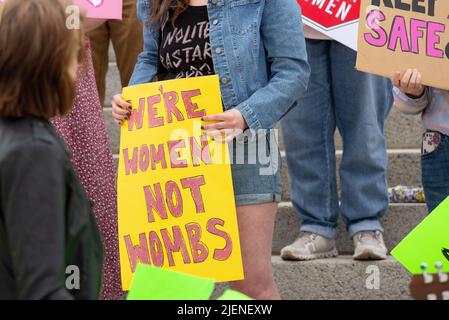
(404, 168)
(401, 131)
(112, 57)
(399, 220)
(113, 83)
(341, 278)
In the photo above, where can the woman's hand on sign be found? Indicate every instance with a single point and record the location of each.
(409, 83)
(226, 126)
(121, 110)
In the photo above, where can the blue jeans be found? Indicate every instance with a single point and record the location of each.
(357, 104)
(435, 174)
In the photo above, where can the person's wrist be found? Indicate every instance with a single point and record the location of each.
(416, 96)
(243, 125)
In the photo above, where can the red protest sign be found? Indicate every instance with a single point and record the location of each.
(335, 18)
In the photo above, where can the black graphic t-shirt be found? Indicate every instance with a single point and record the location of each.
(185, 47)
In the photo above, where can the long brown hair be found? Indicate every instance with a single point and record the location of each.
(161, 7)
(35, 50)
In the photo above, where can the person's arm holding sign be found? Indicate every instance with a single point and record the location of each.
(410, 95)
(227, 126)
(289, 72)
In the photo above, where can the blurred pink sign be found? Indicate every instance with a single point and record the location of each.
(101, 9)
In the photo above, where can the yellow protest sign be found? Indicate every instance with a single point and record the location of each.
(176, 207)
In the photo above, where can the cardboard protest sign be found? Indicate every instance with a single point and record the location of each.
(427, 243)
(175, 194)
(151, 283)
(396, 35)
(337, 19)
(101, 9)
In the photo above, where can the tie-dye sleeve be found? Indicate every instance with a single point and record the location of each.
(409, 105)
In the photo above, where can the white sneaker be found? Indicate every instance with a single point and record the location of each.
(310, 246)
(369, 245)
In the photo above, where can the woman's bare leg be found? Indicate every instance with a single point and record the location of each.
(256, 224)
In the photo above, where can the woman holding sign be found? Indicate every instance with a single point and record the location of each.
(257, 49)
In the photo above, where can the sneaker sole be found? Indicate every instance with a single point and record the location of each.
(289, 255)
(369, 254)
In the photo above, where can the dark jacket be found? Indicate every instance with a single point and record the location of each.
(47, 230)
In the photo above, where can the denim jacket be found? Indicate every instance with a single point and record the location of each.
(258, 50)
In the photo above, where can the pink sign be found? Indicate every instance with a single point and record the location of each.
(101, 9)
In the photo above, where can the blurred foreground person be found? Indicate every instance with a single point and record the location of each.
(50, 247)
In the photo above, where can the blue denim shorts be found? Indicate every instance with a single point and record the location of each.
(256, 168)
(435, 168)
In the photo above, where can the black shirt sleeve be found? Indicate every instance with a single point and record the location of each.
(34, 200)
